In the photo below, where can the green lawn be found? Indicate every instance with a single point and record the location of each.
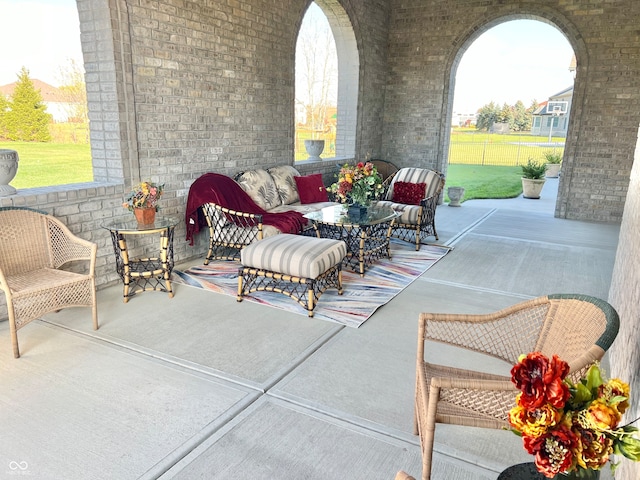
(484, 181)
(46, 164)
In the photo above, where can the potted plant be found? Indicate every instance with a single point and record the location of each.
(554, 159)
(143, 201)
(533, 178)
(357, 185)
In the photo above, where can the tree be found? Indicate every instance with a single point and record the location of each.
(4, 109)
(521, 118)
(316, 69)
(505, 115)
(27, 120)
(487, 116)
(73, 93)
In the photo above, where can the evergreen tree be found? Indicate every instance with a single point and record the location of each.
(505, 115)
(27, 119)
(487, 116)
(521, 118)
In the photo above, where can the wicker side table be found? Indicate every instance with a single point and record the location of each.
(143, 274)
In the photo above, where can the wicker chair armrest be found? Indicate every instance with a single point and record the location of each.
(234, 216)
(67, 247)
(474, 384)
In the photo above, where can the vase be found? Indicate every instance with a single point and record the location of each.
(314, 148)
(529, 471)
(145, 216)
(455, 195)
(8, 170)
(357, 211)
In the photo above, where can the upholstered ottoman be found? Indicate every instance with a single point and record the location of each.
(294, 265)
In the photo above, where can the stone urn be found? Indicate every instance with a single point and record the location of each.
(553, 170)
(455, 195)
(8, 170)
(314, 148)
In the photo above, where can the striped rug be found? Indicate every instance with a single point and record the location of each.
(361, 297)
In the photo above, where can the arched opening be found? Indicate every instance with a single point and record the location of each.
(512, 102)
(327, 69)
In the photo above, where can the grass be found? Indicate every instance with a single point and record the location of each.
(484, 181)
(47, 164)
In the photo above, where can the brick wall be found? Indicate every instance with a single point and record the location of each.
(625, 297)
(426, 41)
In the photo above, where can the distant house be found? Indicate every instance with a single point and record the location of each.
(463, 119)
(553, 115)
(52, 97)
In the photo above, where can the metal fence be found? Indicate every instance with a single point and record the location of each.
(506, 154)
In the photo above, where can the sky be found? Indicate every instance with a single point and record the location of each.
(41, 35)
(517, 60)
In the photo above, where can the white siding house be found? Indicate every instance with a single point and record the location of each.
(553, 115)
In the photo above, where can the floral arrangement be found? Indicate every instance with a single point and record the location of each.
(357, 184)
(144, 195)
(570, 427)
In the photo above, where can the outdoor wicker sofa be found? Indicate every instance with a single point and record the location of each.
(275, 204)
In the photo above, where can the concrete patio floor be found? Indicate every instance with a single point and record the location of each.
(199, 386)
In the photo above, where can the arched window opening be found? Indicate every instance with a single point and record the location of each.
(327, 70)
(43, 99)
(512, 100)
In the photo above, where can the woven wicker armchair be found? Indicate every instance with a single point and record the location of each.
(33, 247)
(416, 222)
(578, 328)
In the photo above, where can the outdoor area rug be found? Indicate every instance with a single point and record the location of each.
(361, 296)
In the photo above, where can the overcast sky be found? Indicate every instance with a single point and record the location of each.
(518, 60)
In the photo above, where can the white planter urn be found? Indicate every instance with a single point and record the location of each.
(314, 148)
(8, 170)
(553, 170)
(532, 187)
(455, 195)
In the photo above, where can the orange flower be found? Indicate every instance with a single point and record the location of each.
(616, 393)
(533, 423)
(601, 416)
(541, 380)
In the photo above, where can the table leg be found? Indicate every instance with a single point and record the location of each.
(126, 268)
(363, 238)
(164, 260)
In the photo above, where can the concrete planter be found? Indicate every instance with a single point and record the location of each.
(553, 170)
(314, 148)
(8, 170)
(455, 194)
(531, 187)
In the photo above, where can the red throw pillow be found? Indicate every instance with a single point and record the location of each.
(408, 193)
(311, 189)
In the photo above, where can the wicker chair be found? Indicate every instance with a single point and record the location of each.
(416, 222)
(385, 168)
(33, 247)
(578, 328)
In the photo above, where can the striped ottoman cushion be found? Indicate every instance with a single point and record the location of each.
(295, 255)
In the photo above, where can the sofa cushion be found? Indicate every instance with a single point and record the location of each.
(285, 184)
(311, 189)
(409, 193)
(260, 186)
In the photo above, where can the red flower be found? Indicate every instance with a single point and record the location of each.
(553, 451)
(541, 380)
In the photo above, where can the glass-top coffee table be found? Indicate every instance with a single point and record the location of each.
(367, 236)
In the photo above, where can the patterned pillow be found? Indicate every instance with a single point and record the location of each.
(408, 193)
(311, 189)
(260, 187)
(285, 184)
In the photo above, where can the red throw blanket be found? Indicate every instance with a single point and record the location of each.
(224, 191)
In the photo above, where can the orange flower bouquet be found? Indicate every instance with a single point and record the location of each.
(570, 428)
(358, 184)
